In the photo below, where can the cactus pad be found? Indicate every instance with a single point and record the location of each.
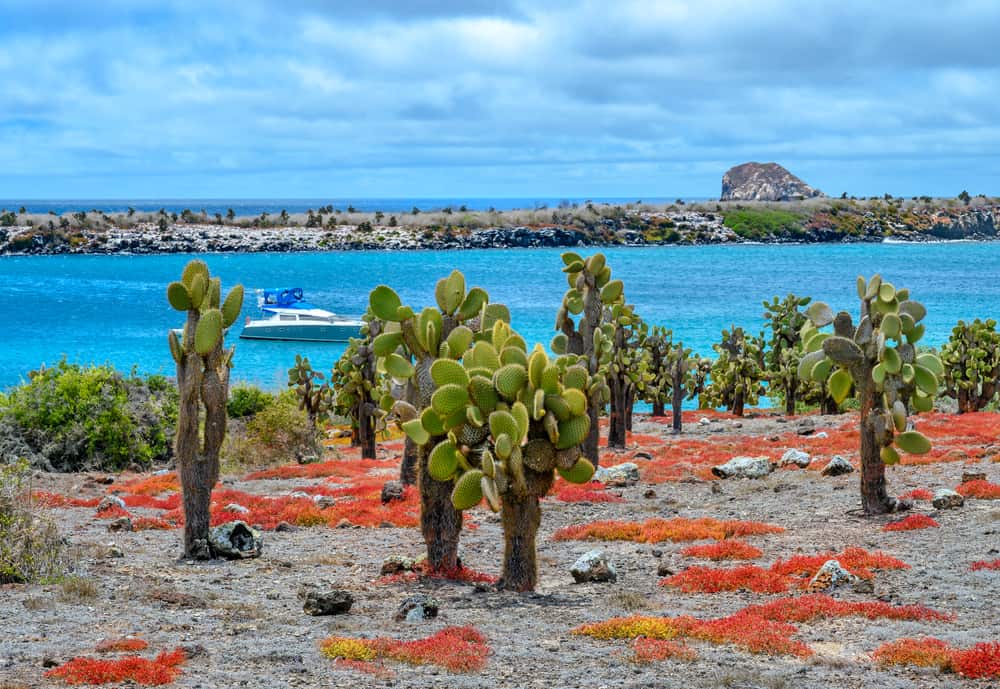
(468, 491)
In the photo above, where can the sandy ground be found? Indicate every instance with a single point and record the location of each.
(248, 619)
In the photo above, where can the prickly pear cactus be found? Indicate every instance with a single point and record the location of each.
(879, 358)
(356, 384)
(785, 319)
(312, 389)
(738, 372)
(627, 370)
(971, 361)
(675, 373)
(501, 423)
(591, 289)
(203, 366)
(406, 350)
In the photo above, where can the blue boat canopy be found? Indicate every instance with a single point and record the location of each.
(286, 298)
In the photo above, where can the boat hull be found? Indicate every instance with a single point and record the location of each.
(325, 332)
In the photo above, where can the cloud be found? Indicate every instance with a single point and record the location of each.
(562, 98)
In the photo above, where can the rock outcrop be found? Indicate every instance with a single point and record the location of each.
(764, 182)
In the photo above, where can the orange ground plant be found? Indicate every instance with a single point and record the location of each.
(456, 649)
(981, 490)
(981, 661)
(984, 565)
(678, 529)
(913, 522)
(162, 669)
(729, 549)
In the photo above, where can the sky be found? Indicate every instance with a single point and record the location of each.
(474, 98)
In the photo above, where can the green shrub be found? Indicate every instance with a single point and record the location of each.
(247, 400)
(277, 434)
(30, 546)
(72, 417)
(761, 224)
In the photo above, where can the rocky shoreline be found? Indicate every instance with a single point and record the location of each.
(829, 224)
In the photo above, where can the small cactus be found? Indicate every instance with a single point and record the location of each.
(591, 289)
(738, 372)
(203, 367)
(356, 385)
(627, 370)
(785, 319)
(971, 361)
(502, 422)
(878, 357)
(312, 389)
(675, 373)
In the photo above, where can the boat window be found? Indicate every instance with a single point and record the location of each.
(286, 317)
(305, 317)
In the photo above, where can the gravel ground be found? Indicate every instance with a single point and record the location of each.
(248, 620)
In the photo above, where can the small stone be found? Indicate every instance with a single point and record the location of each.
(947, 499)
(120, 524)
(657, 552)
(593, 566)
(285, 527)
(642, 455)
(625, 474)
(744, 467)
(110, 502)
(831, 575)
(649, 494)
(235, 541)
(973, 476)
(797, 457)
(344, 523)
(299, 494)
(392, 490)
(704, 421)
(664, 570)
(334, 602)
(550, 645)
(236, 507)
(113, 551)
(161, 472)
(396, 564)
(324, 501)
(416, 608)
(716, 488)
(838, 466)
(822, 434)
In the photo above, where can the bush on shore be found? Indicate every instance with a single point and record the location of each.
(277, 433)
(71, 417)
(30, 547)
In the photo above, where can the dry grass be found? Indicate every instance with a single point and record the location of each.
(77, 590)
(629, 601)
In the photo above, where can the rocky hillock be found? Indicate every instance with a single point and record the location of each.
(764, 182)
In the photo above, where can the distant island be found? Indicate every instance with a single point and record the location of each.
(760, 202)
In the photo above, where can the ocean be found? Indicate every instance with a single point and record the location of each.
(113, 308)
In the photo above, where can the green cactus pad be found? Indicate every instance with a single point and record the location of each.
(199, 286)
(926, 381)
(483, 355)
(493, 313)
(899, 416)
(843, 351)
(573, 268)
(487, 463)
(449, 399)
(612, 291)
(443, 461)
(514, 355)
(922, 403)
(232, 306)
(891, 361)
(889, 455)
(570, 257)
(913, 442)
(474, 416)
(886, 292)
(521, 416)
(504, 423)
(468, 491)
(432, 421)
(595, 264)
(572, 432)
(213, 295)
(873, 286)
(459, 340)
(820, 314)
(932, 363)
(839, 385)
(576, 377)
(878, 373)
(914, 335)
(449, 372)
(385, 303)
(483, 394)
(490, 492)
(177, 295)
(473, 305)
(558, 405)
(193, 268)
(892, 326)
(176, 350)
(398, 366)
(559, 343)
(914, 309)
(503, 445)
(550, 380)
(862, 288)
(387, 343)
(509, 380)
(576, 400)
(208, 334)
(415, 430)
(581, 472)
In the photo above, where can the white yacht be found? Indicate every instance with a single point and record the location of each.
(285, 315)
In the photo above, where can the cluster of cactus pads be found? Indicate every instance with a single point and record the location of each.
(312, 389)
(738, 373)
(971, 361)
(878, 357)
(491, 419)
(203, 366)
(357, 383)
(675, 374)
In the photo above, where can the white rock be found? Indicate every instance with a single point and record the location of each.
(837, 466)
(625, 474)
(744, 467)
(593, 566)
(947, 499)
(822, 434)
(797, 457)
(236, 507)
(830, 576)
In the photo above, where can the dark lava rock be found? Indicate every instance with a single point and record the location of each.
(335, 602)
(417, 607)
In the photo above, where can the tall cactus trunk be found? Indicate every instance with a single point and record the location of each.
(591, 444)
(793, 383)
(658, 409)
(629, 407)
(738, 404)
(829, 406)
(366, 429)
(874, 498)
(677, 398)
(408, 465)
(440, 522)
(618, 413)
(521, 518)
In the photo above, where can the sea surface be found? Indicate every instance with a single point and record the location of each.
(114, 309)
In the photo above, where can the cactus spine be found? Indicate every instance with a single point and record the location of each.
(590, 289)
(972, 364)
(408, 347)
(355, 383)
(879, 358)
(502, 422)
(737, 373)
(203, 367)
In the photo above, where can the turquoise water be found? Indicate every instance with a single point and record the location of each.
(113, 308)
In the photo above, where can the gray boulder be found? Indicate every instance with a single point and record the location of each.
(838, 466)
(830, 576)
(235, 541)
(797, 457)
(333, 602)
(764, 182)
(744, 467)
(416, 608)
(947, 499)
(593, 566)
(625, 474)
(392, 490)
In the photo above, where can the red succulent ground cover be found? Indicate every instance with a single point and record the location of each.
(766, 628)
(917, 494)
(422, 571)
(912, 523)
(678, 529)
(341, 468)
(152, 485)
(47, 499)
(587, 492)
(729, 549)
(857, 561)
(983, 565)
(456, 649)
(982, 490)
(162, 669)
(651, 650)
(981, 661)
(129, 643)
